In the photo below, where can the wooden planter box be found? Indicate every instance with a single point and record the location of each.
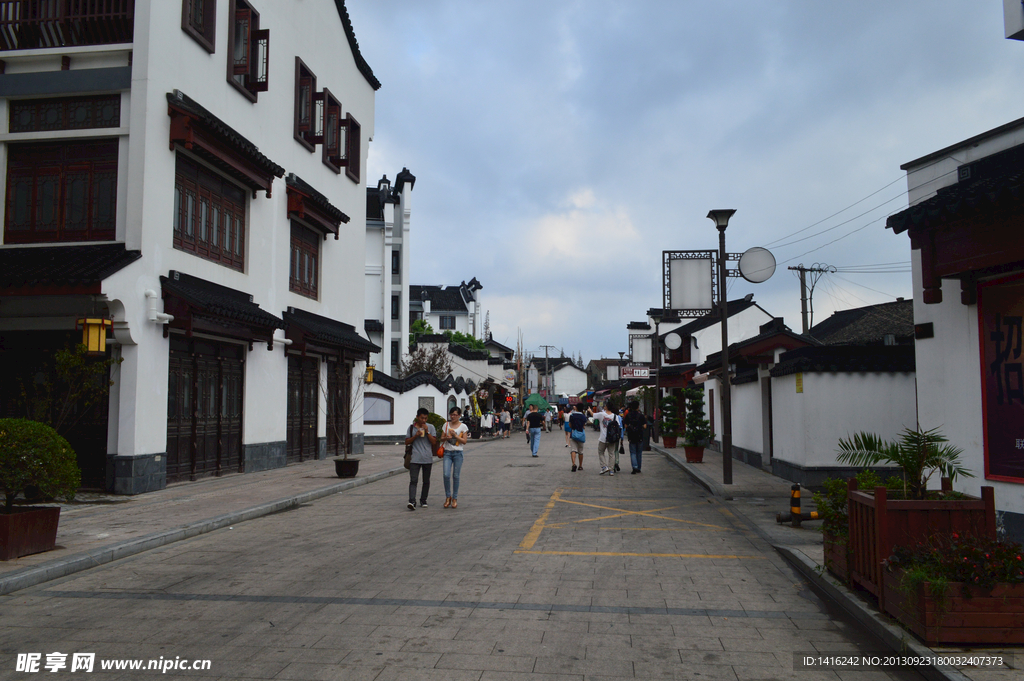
(837, 557)
(28, 530)
(878, 524)
(993, 616)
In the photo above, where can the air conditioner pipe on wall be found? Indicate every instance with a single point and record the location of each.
(154, 316)
(283, 341)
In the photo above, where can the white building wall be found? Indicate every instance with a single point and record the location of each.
(746, 417)
(569, 380)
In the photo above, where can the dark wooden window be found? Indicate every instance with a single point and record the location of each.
(199, 20)
(396, 307)
(353, 134)
(209, 215)
(333, 135)
(448, 322)
(339, 407)
(305, 261)
(27, 24)
(396, 262)
(61, 192)
(66, 113)
(249, 53)
(306, 105)
(394, 353)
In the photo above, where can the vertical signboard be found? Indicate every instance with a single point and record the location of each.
(1000, 312)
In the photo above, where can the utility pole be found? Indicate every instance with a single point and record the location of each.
(816, 270)
(547, 367)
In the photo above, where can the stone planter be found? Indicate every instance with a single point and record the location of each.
(346, 468)
(993, 616)
(694, 454)
(28, 530)
(837, 557)
(669, 441)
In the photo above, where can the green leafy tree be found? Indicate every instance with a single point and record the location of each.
(920, 453)
(698, 429)
(419, 328)
(464, 340)
(34, 455)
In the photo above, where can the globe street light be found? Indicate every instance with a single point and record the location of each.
(721, 219)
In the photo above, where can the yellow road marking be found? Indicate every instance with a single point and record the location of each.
(649, 514)
(531, 537)
(638, 555)
(659, 529)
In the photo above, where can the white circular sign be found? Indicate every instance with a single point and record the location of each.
(673, 341)
(757, 265)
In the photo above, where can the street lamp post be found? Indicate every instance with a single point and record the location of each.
(656, 316)
(721, 220)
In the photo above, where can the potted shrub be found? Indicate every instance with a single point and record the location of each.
(877, 523)
(33, 456)
(669, 421)
(698, 428)
(958, 590)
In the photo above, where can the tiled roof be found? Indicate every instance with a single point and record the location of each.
(468, 353)
(735, 307)
(218, 300)
(316, 198)
(865, 325)
(846, 359)
(988, 185)
(62, 265)
(373, 326)
(442, 298)
(555, 363)
(361, 64)
(328, 331)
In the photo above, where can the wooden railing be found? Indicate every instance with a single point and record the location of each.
(878, 524)
(29, 24)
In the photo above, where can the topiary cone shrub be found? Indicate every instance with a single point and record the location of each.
(33, 455)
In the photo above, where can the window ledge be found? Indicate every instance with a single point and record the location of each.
(63, 134)
(15, 56)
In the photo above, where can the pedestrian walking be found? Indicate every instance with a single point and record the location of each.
(506, 422)
(534, 422)
(564, 419)
(547, 419)
(577, 423)
(453, 436)
(606, 450)
(635, 428)
(423, 438)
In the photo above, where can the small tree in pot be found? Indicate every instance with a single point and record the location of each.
(33, 455)
(698, 428)
(669, 421)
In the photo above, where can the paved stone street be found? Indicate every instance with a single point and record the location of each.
(540, 573)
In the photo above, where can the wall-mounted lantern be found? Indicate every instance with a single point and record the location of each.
(369, 373)
(94, 335)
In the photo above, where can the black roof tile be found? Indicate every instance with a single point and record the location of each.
(866, 325)
(329, 331)
(442, 298)
(219, 300)
(62, 265)
(846, 359)
(317, 199)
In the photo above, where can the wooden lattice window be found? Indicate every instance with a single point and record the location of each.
(199, 20)
(61, 192)
(305, 261)
(209, 215)
(353, 135)
(249, 56)
(65, 113)
(307, 103)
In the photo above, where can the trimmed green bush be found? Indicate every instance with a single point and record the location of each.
(437, 421)
(32, 454)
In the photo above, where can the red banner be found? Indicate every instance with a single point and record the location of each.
(1001, 313)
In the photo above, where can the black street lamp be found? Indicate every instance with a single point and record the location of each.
(721, 220)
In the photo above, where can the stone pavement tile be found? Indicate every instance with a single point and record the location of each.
(317, 672)
(656, 642)
(635, 655)
(552, 665)
(523, 676)
(278, 640)
(837, 645)
(429, 612)
(862, 675)
(628, 629)
(332, 633)
(726, 657)
(785, 637)
(501, 663)
(390, 630)
(749, 645)
(677, 672)
(435, 645)
(546, 625)
(261, 653)
(393, 673)
(500, 636)
(372, 657)
(569, 650)
(758, 673)
(617, 641)
(565, 616)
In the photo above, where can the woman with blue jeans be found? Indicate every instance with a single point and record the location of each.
(454, 436)
(635, 426)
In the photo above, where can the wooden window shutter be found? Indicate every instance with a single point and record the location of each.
(259, 76)
(352, 147)
(243, 42)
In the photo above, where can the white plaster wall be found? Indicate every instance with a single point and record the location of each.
(569, 380)
(807, 426)
(406, 405)
(746, 417)
(164, 59)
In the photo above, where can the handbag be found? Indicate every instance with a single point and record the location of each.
(440, 447)
(408, 456)
(578, 435)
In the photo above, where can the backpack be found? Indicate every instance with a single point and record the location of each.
(612, 431)
(634, 426)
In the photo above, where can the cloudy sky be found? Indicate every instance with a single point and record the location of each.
(560, 146)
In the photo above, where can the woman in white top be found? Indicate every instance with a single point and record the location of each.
(454, 436)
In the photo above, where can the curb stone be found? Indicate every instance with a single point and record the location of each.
(89, 559)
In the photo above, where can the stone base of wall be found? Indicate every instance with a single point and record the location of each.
(814, 476)
(749, 457)
(136, 473)
(378, 440)
(358, 441)
(265, 456)
(321, 449)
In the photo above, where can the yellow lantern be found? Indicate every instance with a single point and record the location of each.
(369, 373)
(94, 334)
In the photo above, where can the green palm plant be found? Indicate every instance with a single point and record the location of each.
(920, 453)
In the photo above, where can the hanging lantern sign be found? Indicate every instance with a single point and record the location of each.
(94, 335)
(482, 394)
(369, 373)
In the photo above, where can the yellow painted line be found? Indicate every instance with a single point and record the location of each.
(639, 555)
(660, 529)
(648, 514)
(531, 537)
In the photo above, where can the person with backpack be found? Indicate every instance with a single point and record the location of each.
(608, 442)
(576, 424)
(635, 427)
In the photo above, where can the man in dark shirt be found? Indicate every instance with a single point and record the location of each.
(534, 422)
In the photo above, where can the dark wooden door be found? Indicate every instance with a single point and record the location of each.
(204, 409)
(339, 381)
(303, 391)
